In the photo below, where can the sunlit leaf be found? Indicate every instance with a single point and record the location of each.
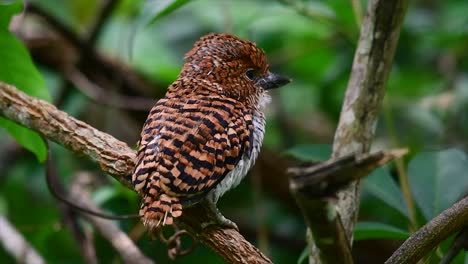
(374, 230)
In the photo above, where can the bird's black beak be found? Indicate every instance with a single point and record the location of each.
(272, 81)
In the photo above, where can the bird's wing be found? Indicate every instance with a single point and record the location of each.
(187, 147)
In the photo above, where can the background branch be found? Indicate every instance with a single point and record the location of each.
(107, 6)
(117, 159)
(121, 242)
(431, 234)
(459, 243)
(14, 243)
(70, 219)
(100, 95)
(80, 53)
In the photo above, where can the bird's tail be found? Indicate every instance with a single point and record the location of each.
(159, 210)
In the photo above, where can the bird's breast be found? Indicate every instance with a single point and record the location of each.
(234, 177)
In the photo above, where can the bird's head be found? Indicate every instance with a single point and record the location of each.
(237, 66)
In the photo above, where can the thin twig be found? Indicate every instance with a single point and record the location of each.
(71, 218)
(431, 234)
(460, 242)
(126, 248)
(14, 243)
(305, 10)
(103, 14)
(302, 8)
(100, 95)
(401, 170)
(92, 61)
(118, 160)
(9, 152)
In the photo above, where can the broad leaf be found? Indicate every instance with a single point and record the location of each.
(3, 205)
(18, 69)
(381, 185)
(438, 180)
(318, 152)
(374, 230)
(7, 10)
(156, 9)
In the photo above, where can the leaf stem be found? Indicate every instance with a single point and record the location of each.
(401, 170)
(357, 8)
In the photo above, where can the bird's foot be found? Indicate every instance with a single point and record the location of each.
(219, 218)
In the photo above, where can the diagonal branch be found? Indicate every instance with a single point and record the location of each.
(431, 234)
(95, 65)
(16, 245)
(103, 14)
(117, 159)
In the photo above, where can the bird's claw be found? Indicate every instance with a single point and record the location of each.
(219, 218)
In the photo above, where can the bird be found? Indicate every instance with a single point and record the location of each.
(203, 136)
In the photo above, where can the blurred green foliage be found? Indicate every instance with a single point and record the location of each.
(311, 41)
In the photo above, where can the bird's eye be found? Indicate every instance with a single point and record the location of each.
(250, 73)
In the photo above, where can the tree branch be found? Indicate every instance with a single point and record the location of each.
(314, 188)
(126, 248)
(366, 88)
(100, 95)
(16, 245)
(70, 219)
(107, 6)
(118, 160)
(97, 67)
(431, 234)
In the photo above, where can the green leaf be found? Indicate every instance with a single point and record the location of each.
(438, 180)
(316, 152)
(7, 10)
(18, 69)
(374, 230)
(3, 205)
(27, 138)
(381, 185)
(156, 9)
(304, 255)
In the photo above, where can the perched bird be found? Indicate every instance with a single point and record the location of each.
(202, 138)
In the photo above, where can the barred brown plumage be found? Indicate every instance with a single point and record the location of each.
(201, 139)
